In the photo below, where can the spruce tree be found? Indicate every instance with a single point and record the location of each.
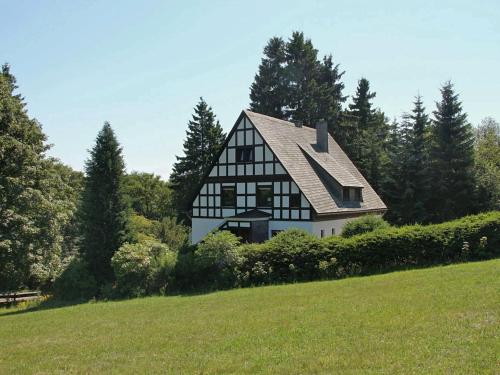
(267, 93)
(293, 84)
(416, 164)
(204, 139)
(368, 130)
(104, 211)
(451, 159)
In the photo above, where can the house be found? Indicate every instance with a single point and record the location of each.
(272, 175)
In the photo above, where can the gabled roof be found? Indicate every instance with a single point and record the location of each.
(295, 148)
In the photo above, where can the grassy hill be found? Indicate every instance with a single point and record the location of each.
(439, 320)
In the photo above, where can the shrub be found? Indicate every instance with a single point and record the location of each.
(216, 257)
(75, 282)
(143, 268)
(297, 255)
(365, 224)
(290, 255)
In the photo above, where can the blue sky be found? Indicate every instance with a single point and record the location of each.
(143, 65)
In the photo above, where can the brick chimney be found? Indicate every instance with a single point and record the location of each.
(322, 136)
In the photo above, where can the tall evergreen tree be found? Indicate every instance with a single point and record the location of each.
(367, 130)
(204, 139)
(267, 93)
(104, 211)
(294, 85)
(36, 204)
(451, 158)
(416, 159)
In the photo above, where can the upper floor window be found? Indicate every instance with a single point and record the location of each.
(352, 194)
(244, 154)
(295, 200)
(228, 196)
(264, 196)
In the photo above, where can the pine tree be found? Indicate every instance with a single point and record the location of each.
(104, 211)
(267, 93)
(367, 134)
(204, 139)
(451, 159)
(416, 164)
(294, 85)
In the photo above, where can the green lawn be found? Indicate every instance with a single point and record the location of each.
(439, 320)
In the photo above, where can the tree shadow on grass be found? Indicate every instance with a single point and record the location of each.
(49, 303)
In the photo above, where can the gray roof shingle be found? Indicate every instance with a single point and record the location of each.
(291, 144)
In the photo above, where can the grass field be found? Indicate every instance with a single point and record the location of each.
(439, 320)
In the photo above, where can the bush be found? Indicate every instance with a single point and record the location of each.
(216, 257)
(143, 268)
(75, 282)
(288, 256)
(365, 224)
(297, 255)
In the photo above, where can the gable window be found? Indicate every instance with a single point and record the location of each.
(244, 154)
(295, 200)
(264, 196)
(228, 196)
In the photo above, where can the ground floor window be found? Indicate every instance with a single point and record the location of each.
(275, 232)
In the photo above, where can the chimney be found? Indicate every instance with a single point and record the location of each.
(322, 136)
(298, 123)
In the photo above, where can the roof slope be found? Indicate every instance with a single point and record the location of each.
(291, 144)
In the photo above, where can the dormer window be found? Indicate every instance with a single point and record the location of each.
(352, 194)
(244, 154)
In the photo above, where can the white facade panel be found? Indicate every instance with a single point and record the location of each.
(201, 227)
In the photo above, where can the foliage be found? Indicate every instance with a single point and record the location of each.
(204, 139)
(406, 177)
(451, 160)
(143, 268)
(172, 233)
(373, 252)
(37, 201)
(364, 224)
(216, 257)
(487, 164)
(148, 195)
(293, 84)
(142, 229)
(104, 211)
(364, 134)
(75, 282)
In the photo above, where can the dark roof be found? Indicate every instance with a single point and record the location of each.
(252, 214)
(294, 147)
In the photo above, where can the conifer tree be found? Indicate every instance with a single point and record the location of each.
(204, 139)
(267, 93)
(451, 159)
(294, 85)
(368, 131)
(104, 211)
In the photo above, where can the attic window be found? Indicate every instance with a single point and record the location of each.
(351, 194)
(244, 154)
(295, 200)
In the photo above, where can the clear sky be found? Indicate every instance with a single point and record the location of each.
(142, 65)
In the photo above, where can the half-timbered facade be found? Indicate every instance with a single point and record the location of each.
(272, 175)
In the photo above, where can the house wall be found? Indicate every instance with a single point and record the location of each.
(201, 227)
(264, 170)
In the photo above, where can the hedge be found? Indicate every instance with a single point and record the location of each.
(296, 255)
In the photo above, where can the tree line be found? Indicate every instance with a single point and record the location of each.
(428, 167)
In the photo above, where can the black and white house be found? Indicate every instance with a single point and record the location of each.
(272, 175)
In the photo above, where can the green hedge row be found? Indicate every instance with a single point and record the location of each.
(296, 255)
